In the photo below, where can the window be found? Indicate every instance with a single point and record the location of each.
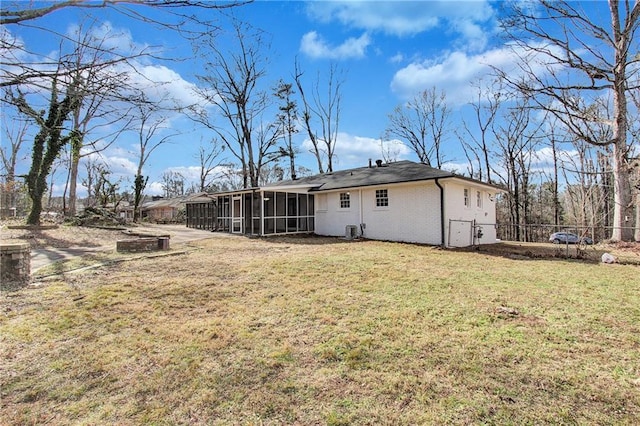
(479, 199)
(382, 198)
(466, 197)
(345, 200)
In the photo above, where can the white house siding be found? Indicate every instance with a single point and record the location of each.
(459, 218)
(413, 214)
(330, 219)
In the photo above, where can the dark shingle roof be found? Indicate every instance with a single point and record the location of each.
(398, 172)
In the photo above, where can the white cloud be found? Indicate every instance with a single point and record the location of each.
(397, 58)
(154, 188)
(355, 151)
(455, 73)
(121, 166)
(189, 173)
(315, 46)
(163, 85)
(109, 38)
(402, 18)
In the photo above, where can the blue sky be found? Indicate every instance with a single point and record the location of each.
(388, 52)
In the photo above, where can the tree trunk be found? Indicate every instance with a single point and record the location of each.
(623, 207)
(73, 176)
(36, 205)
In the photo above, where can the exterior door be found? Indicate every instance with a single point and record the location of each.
(236, 215)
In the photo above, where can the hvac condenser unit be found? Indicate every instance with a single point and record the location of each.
(351, 232)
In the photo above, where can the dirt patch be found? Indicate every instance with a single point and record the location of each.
(60, 236)
(626, 253)
(65, 236)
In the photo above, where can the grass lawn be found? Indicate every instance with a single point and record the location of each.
(321, 331)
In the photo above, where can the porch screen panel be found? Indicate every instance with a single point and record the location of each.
(287, 213)
(269, 204)
(281, 204)
(281, 212)
(269, 200)
(269, 225)
(303, 212)
(224, 213)
(302, 205)
(292, 213)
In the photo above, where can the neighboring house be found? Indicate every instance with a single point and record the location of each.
(164, 209)
(400, 201)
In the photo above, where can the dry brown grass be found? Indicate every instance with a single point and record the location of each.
(320, 331)
(58, 236)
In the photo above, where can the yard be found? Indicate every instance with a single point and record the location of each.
(324, 331)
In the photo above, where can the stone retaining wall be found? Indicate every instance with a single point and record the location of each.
(15, 265)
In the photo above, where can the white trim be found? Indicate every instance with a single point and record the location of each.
(285, 188)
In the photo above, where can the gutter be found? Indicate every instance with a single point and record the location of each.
(441, 211)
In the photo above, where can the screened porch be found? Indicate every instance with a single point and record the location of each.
(256, 212)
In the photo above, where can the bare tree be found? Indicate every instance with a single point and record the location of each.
(287, 119)
(151, 133)
(423, 124)
(15, 135)
(583, 58)
(553, 139)
(323, 112)
(105, 191)
(267, 136)
(485, 109)
(100, 105)
(517, 138)
(49, 141)
(93, 171)
(191, 19)
(18, 11)
(173, 184)
(585, 195)
(208, 161)
(233, 89)
(390, 150)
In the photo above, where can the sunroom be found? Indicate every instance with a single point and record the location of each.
(258, 212)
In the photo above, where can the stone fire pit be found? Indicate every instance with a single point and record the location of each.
(143, 243)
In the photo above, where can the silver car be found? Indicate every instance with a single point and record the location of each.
(568, 238)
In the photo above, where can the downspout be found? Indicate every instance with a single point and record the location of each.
(441, 212)
(361, 225)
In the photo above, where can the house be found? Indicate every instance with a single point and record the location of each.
(399, 201)
(163, 210)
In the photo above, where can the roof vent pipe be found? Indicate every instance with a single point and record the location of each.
(370, 164)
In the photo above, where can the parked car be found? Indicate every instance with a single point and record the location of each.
(568, 238)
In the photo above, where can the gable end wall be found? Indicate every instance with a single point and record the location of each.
(459, 218)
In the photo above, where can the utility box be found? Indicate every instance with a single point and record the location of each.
(351, 232)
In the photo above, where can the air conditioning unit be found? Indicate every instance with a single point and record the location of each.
(351, 232)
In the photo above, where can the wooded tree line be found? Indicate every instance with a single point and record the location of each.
(562, 143)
